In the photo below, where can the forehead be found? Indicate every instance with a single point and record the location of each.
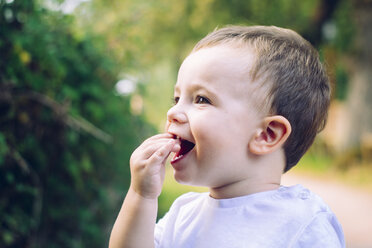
(232, 60)
(222, 66)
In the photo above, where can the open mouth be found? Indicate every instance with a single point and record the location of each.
(186, 147)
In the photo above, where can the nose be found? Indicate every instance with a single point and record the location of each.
(176, 115)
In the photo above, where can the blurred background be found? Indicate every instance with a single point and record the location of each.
(83, 82)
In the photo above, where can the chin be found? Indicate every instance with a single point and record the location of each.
(181, 179)
(184, 179)
(187, 181)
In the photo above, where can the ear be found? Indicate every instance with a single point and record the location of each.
(274, 132)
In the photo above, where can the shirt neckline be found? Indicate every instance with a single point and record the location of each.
(243, 200)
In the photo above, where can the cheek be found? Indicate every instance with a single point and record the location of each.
(203, 131)
(211, 134)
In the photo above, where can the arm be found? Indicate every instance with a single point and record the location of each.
(135, 224)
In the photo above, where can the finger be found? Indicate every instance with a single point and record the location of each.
(149, 149)
(177, 146)
(150, 143)
(162, 154)
(157, 137)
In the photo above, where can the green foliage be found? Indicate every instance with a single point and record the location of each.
(342, 79)
(345, 25)
(60, 175)
(3, 148)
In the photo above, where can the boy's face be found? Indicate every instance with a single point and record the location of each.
(215, 111)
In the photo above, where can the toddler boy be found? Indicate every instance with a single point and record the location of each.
(248, 103)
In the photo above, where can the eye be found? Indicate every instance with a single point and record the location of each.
(202, 100)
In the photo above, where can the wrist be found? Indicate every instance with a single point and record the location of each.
(135, 194)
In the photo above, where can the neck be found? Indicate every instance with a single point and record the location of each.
(263, 174)
(242, 188)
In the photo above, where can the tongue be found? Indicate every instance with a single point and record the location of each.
(186, 146)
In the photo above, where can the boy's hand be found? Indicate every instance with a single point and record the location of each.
(147, 164)
(134, 226)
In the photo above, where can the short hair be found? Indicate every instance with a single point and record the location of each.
(299, 87)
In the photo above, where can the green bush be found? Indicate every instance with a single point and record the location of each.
(65, 138)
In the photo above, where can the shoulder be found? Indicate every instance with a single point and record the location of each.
(318, 225)
(186, 203)
(189, 199)
(183, 208)
(300, 202)
(323, 230)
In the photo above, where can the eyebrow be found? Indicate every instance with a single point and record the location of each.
(196, 87)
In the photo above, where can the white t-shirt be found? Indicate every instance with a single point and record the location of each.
(286, 217)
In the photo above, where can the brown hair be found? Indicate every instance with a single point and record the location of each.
(299, 86)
